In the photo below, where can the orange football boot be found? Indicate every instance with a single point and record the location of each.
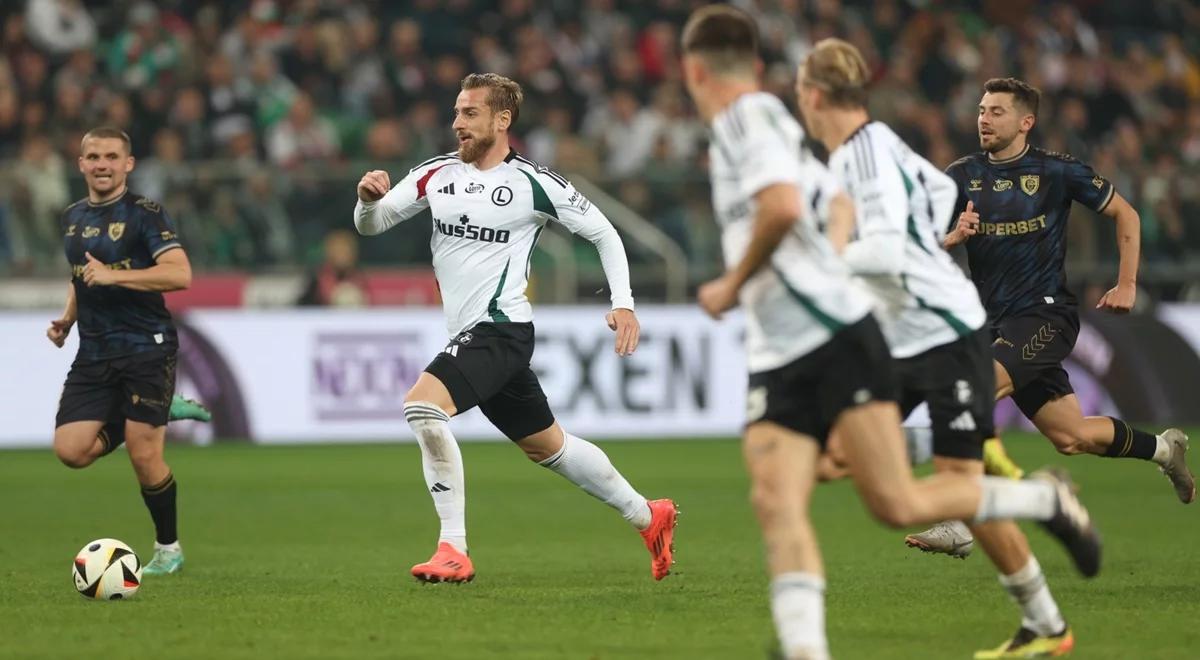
(659, 537)
(446, 565)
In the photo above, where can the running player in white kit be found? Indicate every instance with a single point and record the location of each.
(930, 311)
(489, 205)
(818, 361)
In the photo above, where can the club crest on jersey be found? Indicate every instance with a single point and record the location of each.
(502, 196)
(475, 188)
(1000, 185)
(975, 185)
(1098, 181)
(116, 230)
(1030, 183)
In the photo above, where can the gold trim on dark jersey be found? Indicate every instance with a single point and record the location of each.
(1009, 160)
(1112, 192)
(110, 202)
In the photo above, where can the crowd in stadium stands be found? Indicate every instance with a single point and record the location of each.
(253, 120)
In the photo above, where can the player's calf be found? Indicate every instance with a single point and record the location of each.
(1069, 443)
(587, 466)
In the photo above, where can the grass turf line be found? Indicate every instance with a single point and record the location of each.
(303, 552)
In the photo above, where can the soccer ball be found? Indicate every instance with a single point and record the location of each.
(107, 569)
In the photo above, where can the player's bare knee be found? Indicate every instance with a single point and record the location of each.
(72, 457)
(764, 497)
(536, 454)
(417, 394)
(144, 453)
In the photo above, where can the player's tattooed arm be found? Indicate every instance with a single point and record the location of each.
(1121, 298)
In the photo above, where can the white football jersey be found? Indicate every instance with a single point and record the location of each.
(902, 207)
(805, 295)
(485, 226)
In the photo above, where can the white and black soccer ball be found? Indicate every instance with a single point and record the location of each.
(107, 569)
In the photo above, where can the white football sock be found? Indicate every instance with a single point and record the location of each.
(1007, 499)
(1162, 450)
(1028, 589)
(798, 607)
(442, 464)
(588, 467)
(169, 547)
(920, 444)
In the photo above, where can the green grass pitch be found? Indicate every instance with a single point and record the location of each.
(303, 552)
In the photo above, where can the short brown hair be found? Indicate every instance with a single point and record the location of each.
(1025, 95)
(837, 68)
(109, 132)
(724, 36)
(504, 93)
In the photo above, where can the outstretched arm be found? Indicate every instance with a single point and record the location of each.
(570, 208)
(621, 318)
(1120, 299)
(61, 327)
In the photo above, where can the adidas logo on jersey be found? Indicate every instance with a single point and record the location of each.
(964, 422)
(447, 190)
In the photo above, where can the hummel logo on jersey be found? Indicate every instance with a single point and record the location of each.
(439, 487)
(964, 422)
(475, 188)
(447, 190)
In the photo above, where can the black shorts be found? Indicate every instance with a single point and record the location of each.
(488, 366)
(808, 394)
(959, 384)
(1032, 345)
(136, 387)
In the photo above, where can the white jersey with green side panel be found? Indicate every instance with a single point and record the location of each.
(485, 226)
(805, 295)
(902, 207)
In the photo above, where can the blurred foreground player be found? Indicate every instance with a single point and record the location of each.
(931, 314)
(819, 364)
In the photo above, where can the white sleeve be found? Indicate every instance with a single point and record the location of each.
(881, 213)
(755, 140)
(405, 200)
(820, 187)
(580, 216)
(943, 196)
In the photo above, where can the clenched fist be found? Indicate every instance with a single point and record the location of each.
(374, 185)
(58, 331)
